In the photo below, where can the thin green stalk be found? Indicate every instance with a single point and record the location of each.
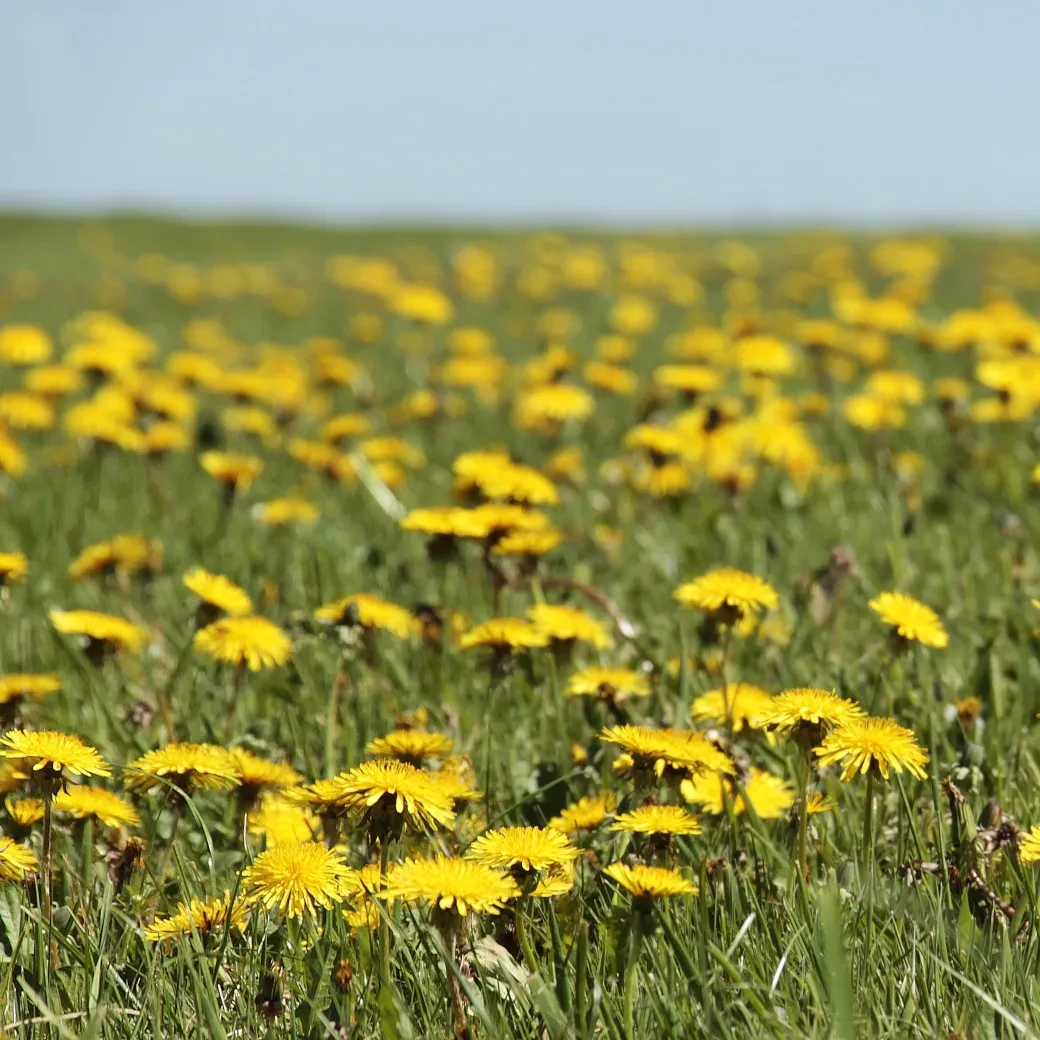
(803, 815)
(523, 936)
(631, 972)
(384, 926)
(48, 907)
(868, 828)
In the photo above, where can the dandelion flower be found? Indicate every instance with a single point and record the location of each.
(296, 880)
(17, 686)
(451, 885)
(819, 803)
(731, 593)
(806, 714)
(25, 812)
(188, 766)
(504, 633)
(235, 472)
(879, 744)
(657, 819)
(281, 821)
(14, 566)
(280, 512)
(586, 814)
(369, 612)
(253, 642)
(613, 684)
(387, 792)
(769, 795)
(199, 916)
(258, 774)
(104, 631)
(16, 861)
(526, 849)
(912, 621)
(568, 625)
(649, 883)
(57, 753)
(109, 808)
(747, 706)
(659, 750)
(218, 592)
(1028, 849)
(410, 745)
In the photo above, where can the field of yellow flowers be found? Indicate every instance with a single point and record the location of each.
(431, 634)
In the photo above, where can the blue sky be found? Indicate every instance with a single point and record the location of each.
(656, 111)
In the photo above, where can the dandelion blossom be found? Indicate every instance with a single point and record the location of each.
(912, 621)
(57, 753)
(296, 880)
(187, 766)
(204, 917)
(873, 744)
(453, 885)
(252, 642)
(730, 593)
(16, 861)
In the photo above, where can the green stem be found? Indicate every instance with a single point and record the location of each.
(48, 906)
(384, 927)
(868, 828)
(631, 971)
(523, 936)
(803, 816)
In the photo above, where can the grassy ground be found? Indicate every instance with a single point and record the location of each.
(936, 938)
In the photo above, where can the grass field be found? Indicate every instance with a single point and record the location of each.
(595, 421)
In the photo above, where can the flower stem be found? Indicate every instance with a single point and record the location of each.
(631, 971)
(48, 906)
(803, 816)
(523, 936)
(384, 927)
(868, 828)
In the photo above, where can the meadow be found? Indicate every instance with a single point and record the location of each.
(420, 633)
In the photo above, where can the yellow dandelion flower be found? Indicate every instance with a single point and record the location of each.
(411, 745)
(58, 753)
(504, 633)
(878, 744)
(203, 917)
(257, 773)
(568, 624)
(25, 345)
(769, 795)
(281, 821)
(650, 882)
(14, 566)
(388, 792)
(235, 472)
(280, 512)
(296, 880)
(657, 819)
(457, 885)
(730, 592)
(658, 750)
(820, 803)
(252, 642)
(586, 814)
(100, 629)
(369, 612)
(613, 684)
(747, 706)
(25, 811)
(365, 911)
(81, 801)
(523, 848)
(18, 686)
(1028, 849)
(527, 543)
(187, 766)
(913, 621)
(807, 714)
(16, 861)
(218, 591)
(445, 522)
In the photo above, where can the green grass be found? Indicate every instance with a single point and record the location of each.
(759, 951)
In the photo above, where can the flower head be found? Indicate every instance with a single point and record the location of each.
(730, 592)
(16, 686)
(585, 814)
(504, 633)
(15, 860)
(1028, 849)
(388, 792)
(59, 754)
(218, 591)
(568, 624)
(14, 566)
(280, 512)
(107, 630)
(411, 745)
(657, 819)
(612, 684)
(522, 848)
(650, 882)
(862, 744)
(258, 773)
(281, 821)
(747, 706)
(204, 917)
(912, 621)
(806, 714)
(452, 885)
(369, 612)
(25, 812)
(235, 472)
(297, 879)
(253, 642)
(81, 801)
(769, 795)
(188, 766)
(659, 750)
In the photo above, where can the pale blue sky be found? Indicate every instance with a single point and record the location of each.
(684, 111)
